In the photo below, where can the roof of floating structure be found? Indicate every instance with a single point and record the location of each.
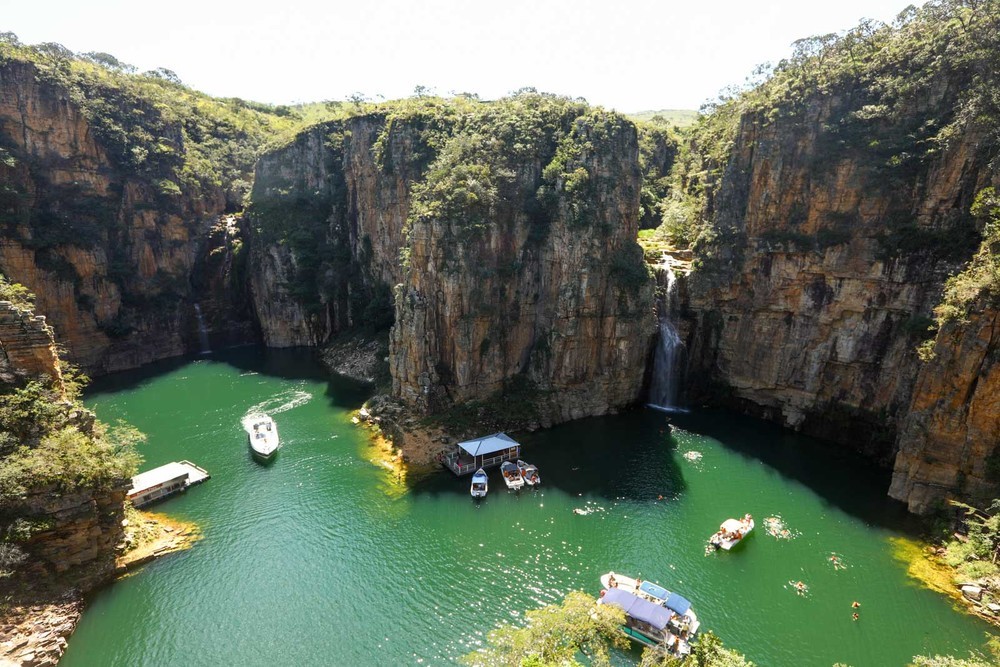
(159, 475)
(678, 604)
(637, 608)
(488, 444)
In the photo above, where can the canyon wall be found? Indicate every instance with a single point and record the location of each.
(513, 253)
(837, 214)
(58, 531)
(108, 249)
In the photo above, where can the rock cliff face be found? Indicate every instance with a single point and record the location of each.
(949, 439)
(108, 254)
(27, 346)
(327, 228)
(512, 261)
(561, 301)
(830, 260)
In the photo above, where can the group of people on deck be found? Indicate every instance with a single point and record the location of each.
(724, 534)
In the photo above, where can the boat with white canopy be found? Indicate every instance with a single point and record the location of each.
(732, 532)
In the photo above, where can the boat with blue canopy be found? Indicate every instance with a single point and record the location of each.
(646, 622)
(683, 622)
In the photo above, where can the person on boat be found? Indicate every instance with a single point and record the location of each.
(638, 583)
(612, 582)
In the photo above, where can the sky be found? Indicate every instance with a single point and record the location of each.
(630, 55)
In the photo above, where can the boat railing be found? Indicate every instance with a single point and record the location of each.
(452, 462)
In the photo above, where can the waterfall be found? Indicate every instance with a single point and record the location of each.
(664, 389)
(202, 331)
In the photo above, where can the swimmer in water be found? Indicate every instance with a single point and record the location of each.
(855, 604)
(800, 588)
(854, 616)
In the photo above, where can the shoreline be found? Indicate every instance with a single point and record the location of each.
(924, 563)
(36, 627)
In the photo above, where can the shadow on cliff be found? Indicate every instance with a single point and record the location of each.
(287, 363)
(630, 457)
(842, 477)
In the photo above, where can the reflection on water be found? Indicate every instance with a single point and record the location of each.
(319, 559)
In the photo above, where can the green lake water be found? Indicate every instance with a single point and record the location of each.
(320, 558)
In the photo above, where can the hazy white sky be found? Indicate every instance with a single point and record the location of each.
(627, 54)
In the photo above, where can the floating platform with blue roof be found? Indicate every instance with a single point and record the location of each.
(485, 452)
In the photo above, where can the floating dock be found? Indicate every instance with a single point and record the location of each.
(485, 452)
(158, 483)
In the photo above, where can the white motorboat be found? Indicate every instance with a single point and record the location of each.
(677, 628)
(529, 473)
(262, 433)
(511, 476)
(732, 532)
(480, 484)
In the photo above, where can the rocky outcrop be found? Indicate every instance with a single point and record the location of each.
(108, 251)
(562, 302)
(328, 215)
(537, 279)
(72, 531)
(949, 442)
(835, 236)
(27, 346)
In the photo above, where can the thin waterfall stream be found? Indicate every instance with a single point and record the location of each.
(664, 390)
(202, 331)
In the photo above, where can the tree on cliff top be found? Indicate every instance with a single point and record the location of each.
(558, 634)
(555, 635)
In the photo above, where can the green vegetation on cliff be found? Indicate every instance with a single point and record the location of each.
(50, 443)
(885, 99)
(556, 635)
(153, 126)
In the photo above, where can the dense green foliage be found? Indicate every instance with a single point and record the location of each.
(47, 438)
(981, 276)
(555, 635)
(154, 127)
(988, 658)
(975, 557)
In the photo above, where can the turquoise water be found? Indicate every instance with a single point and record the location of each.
(321, 558)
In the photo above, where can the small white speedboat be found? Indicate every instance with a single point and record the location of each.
(511, 476)
(732, 532)
(480, 484)
(262, 433)
(529, 473)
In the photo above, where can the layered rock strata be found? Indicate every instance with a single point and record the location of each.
(108, 252)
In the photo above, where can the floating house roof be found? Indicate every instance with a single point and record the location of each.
(489, 444)
(637, 608)
(678, 604)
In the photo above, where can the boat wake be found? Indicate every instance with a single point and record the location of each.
(283, 402)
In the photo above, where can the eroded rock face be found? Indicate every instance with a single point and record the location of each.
(108, 255)
(949, 443)
(553, 293)
(481, 306)
(27, 346)
(810, 308)
(348, 212)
